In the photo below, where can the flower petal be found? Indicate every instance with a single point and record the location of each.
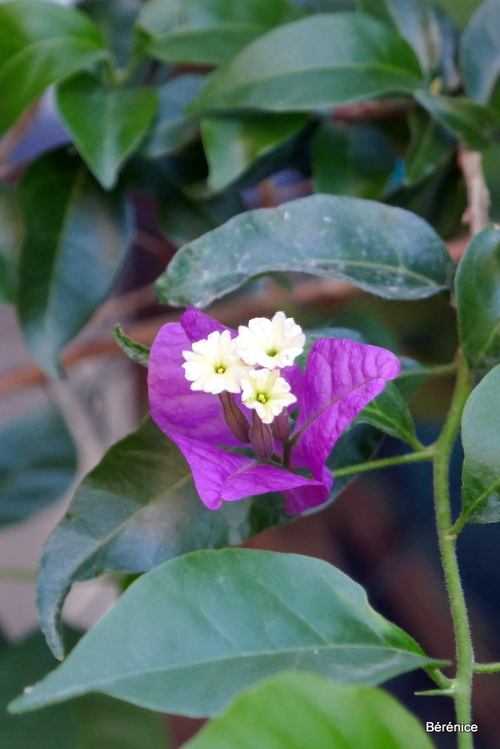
(198, 325)
(219, 475)
(341, 377)
(306, 497)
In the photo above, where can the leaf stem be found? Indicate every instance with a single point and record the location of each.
(486, 668)
(371, 465)
(447, 544)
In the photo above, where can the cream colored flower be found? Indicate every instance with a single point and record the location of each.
(266, 392)
(270, 343)
(214, 365)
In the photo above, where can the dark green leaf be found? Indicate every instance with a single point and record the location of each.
(173, 129)
(430, 147)
(40, 44)
(37, 464)
(411, 377)
(310, 712)
(481, 441)
(90, 722)
(476, 124)
(389, 413)
(192, 633)
(124, 116)
(381, 249)
(480, 52)
(116, 20)
(478, 302)
(315, 62)
(10, 243)
(356, 160)
(75, 241)
(232, 144)
(491, 168)
(205, 46)
(135, 351)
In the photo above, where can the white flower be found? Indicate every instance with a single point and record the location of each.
(266, 392)
(214, 365)
(270, 343)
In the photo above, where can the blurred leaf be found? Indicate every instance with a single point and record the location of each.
(491, 168)
(389, 413)
(37, 464)
(75, 241)
(173, 128)
(356, 160)
(205, 46)
(10, 243)
(480, 52)
(189, 635)
(124, 116)
(477, 287)
(383, 250)
(232, 144)
(184, 218)
(116, 19)
(90, 722)
(481, 442)
(135, 351)
(40, 44)
(285, 711)
(411, 377)
(430, 147)
(315, 62)
(474, 123)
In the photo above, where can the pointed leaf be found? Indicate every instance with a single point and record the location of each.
(389, 412)
(192, 633)
(431, 146)
(478, 302)
(75, 241)
(135, 351)
(321, 61)
(481, 441)
(124, 116)
(37, 464)
(40, 44)
(387, 251)
(480, 51)
(476, 124)
(311, 712)
(10, 243)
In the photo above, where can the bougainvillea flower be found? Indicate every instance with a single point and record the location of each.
(340, 378)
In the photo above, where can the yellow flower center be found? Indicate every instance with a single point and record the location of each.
(220, 369)
(262, 398)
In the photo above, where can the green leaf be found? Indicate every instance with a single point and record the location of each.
(389, 413)
(116, 19)
(480, 52)
(37, 464)
(136, 509)
(233, 144)
(205, 46)
(10, 243)
(384, 250)
(309, 711)
(173, 128)
(135, 351)
(431, 146)
(90, 722)
(321, 61)
(481, 442)
(478, 301)
(41, 43)
(75, 241)
(124, 116)
(355, 160)
(192, 633)
(476, 124)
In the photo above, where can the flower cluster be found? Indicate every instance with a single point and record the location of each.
(205, 380)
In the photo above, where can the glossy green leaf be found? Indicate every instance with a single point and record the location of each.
(431, 146)
(389, 413)
(311, 712)
(233, 144)
(90, 722)
(477, 287)
(116, 19)
(211, 46)
(124, 116)
(10, 243)
(192, 633)
(380, 249)
(480, 52)
(476, 124)
(355, 160)
(75, 241)
(321, 61)
(172, 128)
(135, 351)
(41, 43)
(481, 442)
(37, 464)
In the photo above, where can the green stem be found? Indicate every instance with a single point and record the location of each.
(17, 575)
(486, 668)
(447, 543)
(371, 465)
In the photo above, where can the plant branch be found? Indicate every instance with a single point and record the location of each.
(478, 196)
(486, 668)
(372, 465)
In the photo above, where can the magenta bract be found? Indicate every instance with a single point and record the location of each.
(340, 378)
